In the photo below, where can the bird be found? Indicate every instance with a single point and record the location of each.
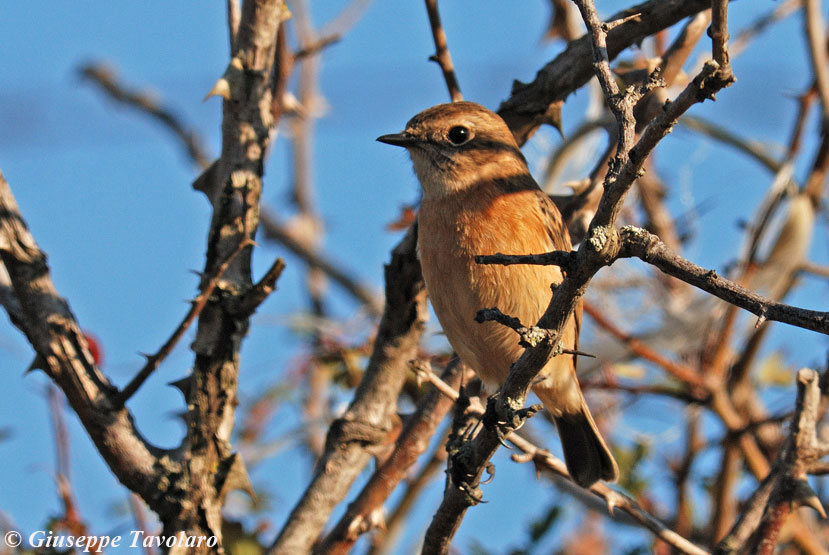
(479, 198)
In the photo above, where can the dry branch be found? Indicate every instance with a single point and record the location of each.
(413, 441)
(527, 107)
(61, 347)
(367, 422)
(611, 498)
(211, 389)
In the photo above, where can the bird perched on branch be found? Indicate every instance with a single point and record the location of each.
(479, 198)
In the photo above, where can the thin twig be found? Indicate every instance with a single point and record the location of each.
(816, 34)
(196, 306)
(442, 56)
(639, 243)
(105, 78)
(729, 137)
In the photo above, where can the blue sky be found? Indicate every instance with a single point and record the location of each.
(108, 197)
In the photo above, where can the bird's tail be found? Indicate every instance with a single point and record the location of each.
(586, 454)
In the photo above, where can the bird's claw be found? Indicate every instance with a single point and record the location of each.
(513, 419)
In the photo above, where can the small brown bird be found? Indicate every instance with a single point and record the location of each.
(479, 198)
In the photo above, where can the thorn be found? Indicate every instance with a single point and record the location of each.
(805, 495)
(221, 88)
(760, 319)
(522, 457)
(577, 353)
(182, 385)
(814, 503)
(490, 473)
(228, 82)
(39, 363)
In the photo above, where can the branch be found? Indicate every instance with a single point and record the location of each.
(210, 466)
(196, 306)
(816, 35)
(681, 372)
(728, 137)
(648, 247)
(413, 441)
(98, 74)
(442, 56)
(785, 486)
(631, 241)
(527, 107)
(277, 231)
(366, 423)
(612, 499)
(51, 328)
(272, 228)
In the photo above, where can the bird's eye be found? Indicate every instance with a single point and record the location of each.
(458, 135)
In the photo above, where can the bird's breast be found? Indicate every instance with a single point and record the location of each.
(450, 235)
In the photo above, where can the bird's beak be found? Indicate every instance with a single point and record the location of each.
(398, 139)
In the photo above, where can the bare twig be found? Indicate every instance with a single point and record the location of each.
(816, 34)
(196, 306)
(105, 78)
(442, 56)
(276, 230)
(727, 136)
(633, 241)
(683, 373)
(820, 270)
(528, 104)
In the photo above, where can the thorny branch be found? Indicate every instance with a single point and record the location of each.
(51, 328)
(636, 242)
(612, 499)
(413, 441)
(196, 306)
(272, 228)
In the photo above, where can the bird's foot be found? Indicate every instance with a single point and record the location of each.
(460, 473)
(503, 425)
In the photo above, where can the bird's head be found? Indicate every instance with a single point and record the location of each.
(454, 146)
